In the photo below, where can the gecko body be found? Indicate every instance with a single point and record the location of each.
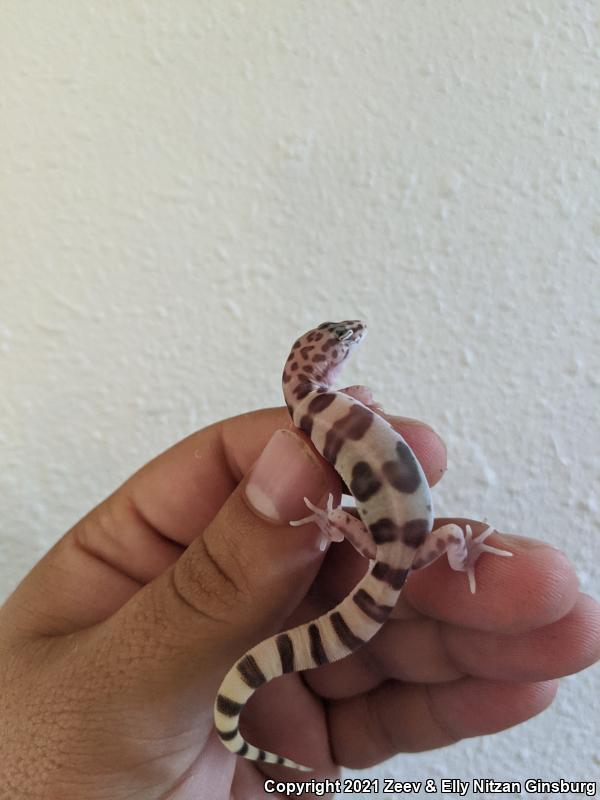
(393, 527)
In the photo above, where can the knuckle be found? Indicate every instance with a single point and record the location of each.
(98, 531)
(211, 581)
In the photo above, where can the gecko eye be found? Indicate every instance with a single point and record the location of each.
(344, 334)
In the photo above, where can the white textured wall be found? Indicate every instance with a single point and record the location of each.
(187, 186)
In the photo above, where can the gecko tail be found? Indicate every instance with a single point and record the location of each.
(329, 638)
(240, 747)
(227, 716)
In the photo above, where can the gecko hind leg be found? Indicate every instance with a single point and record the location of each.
(320, 517)
(462, 550)
(336, 525)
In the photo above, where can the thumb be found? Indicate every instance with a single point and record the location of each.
(238, 581)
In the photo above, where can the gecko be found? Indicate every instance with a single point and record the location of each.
(393, 527)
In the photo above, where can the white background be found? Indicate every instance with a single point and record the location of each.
(187, 186)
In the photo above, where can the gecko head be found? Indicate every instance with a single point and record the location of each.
(317, 357)
(348, 333)
(339, 340)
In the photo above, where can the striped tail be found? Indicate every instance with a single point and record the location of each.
(329, 638)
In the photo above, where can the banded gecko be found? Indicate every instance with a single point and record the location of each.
(394, 528)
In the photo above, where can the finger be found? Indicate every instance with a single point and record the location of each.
(433, 610)
(531, 655)
(396, 718)
(535, 587)
(77, 585)
(179, 492)
(142, 528)
(424, 651)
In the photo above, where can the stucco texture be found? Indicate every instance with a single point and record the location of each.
(187, 186)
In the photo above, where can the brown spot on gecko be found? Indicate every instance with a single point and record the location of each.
(308, 368)
(325, 325)
(228, 706)
(318, 337)
(414, 532)
(227, 736)
(353, 426)
(394, 577)
(321, 402)
(384, 530)
(294, 366)
(370, 607)
(302, 390)
(364, 483)
(344, 633)
(306, 424)
(296, 344)
(317, 650)
(286, 377)
(250, 672)
(403, 472)
(304, 351)
(319, 357)
(333, 445)
(285, 647)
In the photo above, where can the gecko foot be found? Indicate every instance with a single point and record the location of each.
(475, 547)
(460, 547)
(320, 516)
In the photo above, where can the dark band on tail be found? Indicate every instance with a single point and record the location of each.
(285, 646)
(227, 736)
(228, 706)
(344, 633)
(317, 650)
(369, 606)
(250, 672)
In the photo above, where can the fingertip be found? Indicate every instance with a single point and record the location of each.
(479, 707)
(535, 587)
(544, 581)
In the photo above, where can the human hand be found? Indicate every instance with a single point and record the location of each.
(113, 647)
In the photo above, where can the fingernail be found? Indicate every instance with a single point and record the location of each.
(286, 471)
(409, 421)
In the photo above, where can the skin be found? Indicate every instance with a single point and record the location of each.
(113, 646)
